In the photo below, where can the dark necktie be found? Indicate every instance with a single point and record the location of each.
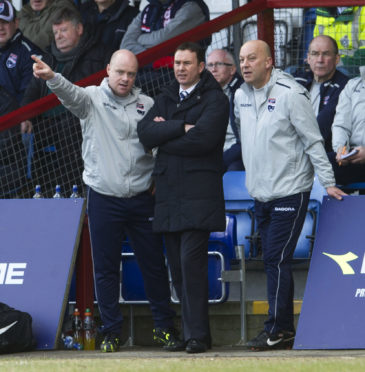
(183, 95)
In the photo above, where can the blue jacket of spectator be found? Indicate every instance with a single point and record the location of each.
(329, 93)
(16, 68)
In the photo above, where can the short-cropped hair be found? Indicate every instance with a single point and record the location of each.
(193, 47)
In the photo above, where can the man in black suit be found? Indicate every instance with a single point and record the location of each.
(188, 123)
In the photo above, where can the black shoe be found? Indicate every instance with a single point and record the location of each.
(110, 344)
(175, 345)
(196, 346)
(165, 336)
(169, 338)
(264, 341)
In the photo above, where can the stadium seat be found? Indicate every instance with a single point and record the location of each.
(221, 252)
(241, 205)
(132, 288)
(305, 243)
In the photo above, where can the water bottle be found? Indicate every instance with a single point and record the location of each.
(38, 192)
(77, 329)
(57, 194)
(75, 193)
(89, 333)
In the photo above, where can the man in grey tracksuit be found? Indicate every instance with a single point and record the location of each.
(282, 147)
(118, 172)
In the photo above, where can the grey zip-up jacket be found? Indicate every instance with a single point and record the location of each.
(348, 127)
(115, 161)
(282, 146)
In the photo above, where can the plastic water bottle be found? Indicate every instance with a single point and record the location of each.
(38, 192)
(57, 194)
(77, 329)
(75, 193)
(89, 333)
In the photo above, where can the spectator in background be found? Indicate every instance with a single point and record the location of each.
(15, 74)
(348, 132)
(15, 51)
(120, 201)
(159, 21)
(108, 20)
(35, 19)
(76, 55)
(13, 157)
(347, 26)
(188, 123)
(221, 64)
(324, 82)
(281, 149)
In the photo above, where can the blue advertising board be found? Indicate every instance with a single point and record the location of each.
(333, 311)
(39, 241)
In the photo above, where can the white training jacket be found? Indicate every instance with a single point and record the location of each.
(115, 162)
(348, 128)
(281, 141)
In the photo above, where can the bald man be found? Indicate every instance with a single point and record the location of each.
(120, 203)
(282, 148)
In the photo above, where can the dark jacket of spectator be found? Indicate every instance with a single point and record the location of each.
(189, 166)
(87, 58)
(16, 66)
(110, 25)
(329, 93)
(37, 25)
(12, 152)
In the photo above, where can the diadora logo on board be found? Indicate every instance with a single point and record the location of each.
(12, 273)
(343, 261)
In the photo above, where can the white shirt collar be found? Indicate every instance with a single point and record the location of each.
(190, 89)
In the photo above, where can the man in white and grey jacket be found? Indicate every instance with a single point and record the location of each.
(349, 132)
(282, 147)
(120, 203)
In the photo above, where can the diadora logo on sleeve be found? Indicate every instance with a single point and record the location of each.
(12, 273)
(246, 105)
(342, 261)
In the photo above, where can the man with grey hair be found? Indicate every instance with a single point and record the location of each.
(221, 63)
(324, 82)
(75, 54)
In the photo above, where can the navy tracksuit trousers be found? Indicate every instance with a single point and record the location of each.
(110, 220)
(280, 223)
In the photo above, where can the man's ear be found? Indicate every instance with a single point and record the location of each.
(201, 67)
(80, 29)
